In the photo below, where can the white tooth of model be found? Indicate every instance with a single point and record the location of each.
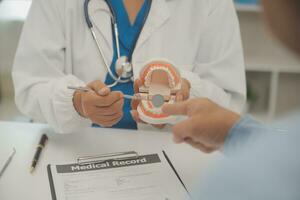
(147, 111)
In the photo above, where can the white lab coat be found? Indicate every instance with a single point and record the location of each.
(56, 49)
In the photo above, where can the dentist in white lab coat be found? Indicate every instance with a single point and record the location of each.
(56, 50)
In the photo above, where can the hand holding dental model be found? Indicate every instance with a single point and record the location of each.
(162, 82)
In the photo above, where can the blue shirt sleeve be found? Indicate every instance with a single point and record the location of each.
(268, 167)
(245, 131)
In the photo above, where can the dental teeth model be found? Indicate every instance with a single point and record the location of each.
(158, 78)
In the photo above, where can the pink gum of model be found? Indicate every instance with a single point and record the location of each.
(158, 77)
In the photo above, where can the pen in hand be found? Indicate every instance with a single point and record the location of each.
(38, 152)
(86, 89)
(157, 100)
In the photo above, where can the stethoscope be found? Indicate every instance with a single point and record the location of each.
(123, 66)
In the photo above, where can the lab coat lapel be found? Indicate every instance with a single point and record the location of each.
(159, 14)
(100, 17)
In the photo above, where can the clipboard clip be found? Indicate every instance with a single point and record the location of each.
(106, 157)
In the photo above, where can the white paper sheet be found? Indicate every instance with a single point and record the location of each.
(148, 177)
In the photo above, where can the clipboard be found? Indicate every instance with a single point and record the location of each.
(118, 156)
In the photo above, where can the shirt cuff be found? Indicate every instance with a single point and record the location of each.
(67, 118)
(242, 133)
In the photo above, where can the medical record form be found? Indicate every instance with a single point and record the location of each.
(145, 177)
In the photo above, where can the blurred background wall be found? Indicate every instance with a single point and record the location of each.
(273, 72)
(12, 16)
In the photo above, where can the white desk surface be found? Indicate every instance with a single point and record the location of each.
(18, 183)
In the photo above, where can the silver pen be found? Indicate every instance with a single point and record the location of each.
(8, 162)
(157, 100)
(126, 96)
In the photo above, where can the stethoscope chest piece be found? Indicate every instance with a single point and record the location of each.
(124, 68)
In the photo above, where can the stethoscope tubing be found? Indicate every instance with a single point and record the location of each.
(116, 79)
(116, 35)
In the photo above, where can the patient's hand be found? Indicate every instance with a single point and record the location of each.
(207, 125)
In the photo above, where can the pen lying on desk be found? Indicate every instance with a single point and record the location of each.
(38, 152)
